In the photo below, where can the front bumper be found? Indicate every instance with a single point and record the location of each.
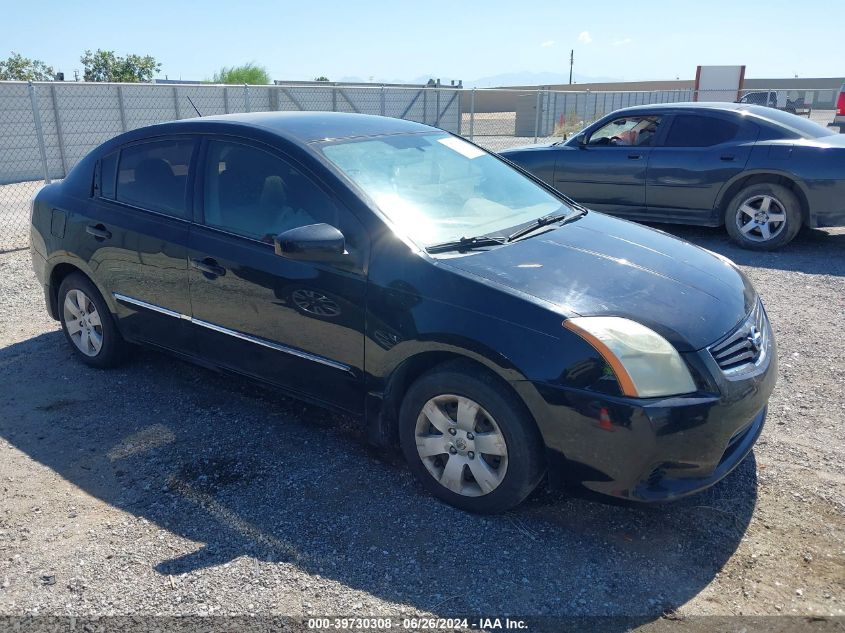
(657, 449)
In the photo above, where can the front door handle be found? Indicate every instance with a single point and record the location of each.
(208, 266)
(633, 156)
(727, 157)
(99, 232)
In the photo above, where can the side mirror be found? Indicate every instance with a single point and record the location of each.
(314, 242)
(581, 139)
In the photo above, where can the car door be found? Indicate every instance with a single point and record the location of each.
(134, 235)
(608, 171)
(691, 163)
(295, 323)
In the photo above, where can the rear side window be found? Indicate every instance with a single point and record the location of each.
(699, 131)
(154, 176)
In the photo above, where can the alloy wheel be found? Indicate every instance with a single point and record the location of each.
(461, 445)
(761, 218)
(315, 303)
(83, 322)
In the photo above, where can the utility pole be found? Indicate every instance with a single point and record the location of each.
(571, 62)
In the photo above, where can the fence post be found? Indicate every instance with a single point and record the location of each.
(537, 116)
(176, 102)
(382, 100)
(122, 107)
(472, 114)
(59, 128)
(39, 131)
(246, 98)
(334, 99)
(225, 100)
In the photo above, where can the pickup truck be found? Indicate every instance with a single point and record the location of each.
(771, 99)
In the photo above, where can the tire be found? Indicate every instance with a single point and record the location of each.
(749, 206)
(506, 478)
(96, 340)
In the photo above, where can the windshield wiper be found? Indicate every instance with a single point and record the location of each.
(546, 220)
(466, 243)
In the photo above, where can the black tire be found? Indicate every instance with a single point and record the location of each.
(525, 463)
(113, 349)
(755, 240)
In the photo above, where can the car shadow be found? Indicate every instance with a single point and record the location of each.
(220, 461)
(813, 251)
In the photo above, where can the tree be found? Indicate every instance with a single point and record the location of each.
(106, 66)
(321, 78)
(20, 68)
(250, 73)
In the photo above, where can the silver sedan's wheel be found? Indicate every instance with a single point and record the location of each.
(83, 322)
(761, 218)
(461, 445)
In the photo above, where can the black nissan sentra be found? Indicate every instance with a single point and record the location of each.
(493, 329)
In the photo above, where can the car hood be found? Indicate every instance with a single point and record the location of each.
(598, 265)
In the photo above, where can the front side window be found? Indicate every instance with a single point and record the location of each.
(436, 187)
(256, 194)
(626, 131)
(689, 130)
(154, 176)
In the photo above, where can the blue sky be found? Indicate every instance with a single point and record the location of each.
(467, 39)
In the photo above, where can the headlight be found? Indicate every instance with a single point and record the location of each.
(646, 364)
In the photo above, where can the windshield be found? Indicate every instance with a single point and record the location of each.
(437, 188)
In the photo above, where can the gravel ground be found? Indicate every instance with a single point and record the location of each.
(164, 488)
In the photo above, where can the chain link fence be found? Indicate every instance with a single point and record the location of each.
(46, 128)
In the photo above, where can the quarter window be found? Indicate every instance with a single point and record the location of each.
(108, 169)
(154, 176)
(700, 131)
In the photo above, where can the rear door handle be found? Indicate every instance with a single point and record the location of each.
(633, 156)
(99, 232)
(727, 157)
(209, 266)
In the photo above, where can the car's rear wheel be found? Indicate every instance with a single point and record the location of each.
(763, 217)
(88, 324)
(469, 441)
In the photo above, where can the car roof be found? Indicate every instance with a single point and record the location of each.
(308, 127)
(725, 106)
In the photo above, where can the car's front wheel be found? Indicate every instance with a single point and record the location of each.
(469, 441)
(763, 217)
(88, 324)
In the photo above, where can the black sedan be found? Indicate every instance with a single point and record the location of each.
(760, 172)
(465, 312)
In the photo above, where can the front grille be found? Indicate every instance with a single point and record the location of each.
(744, 347)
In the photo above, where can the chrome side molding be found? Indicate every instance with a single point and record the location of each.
(244, 337)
